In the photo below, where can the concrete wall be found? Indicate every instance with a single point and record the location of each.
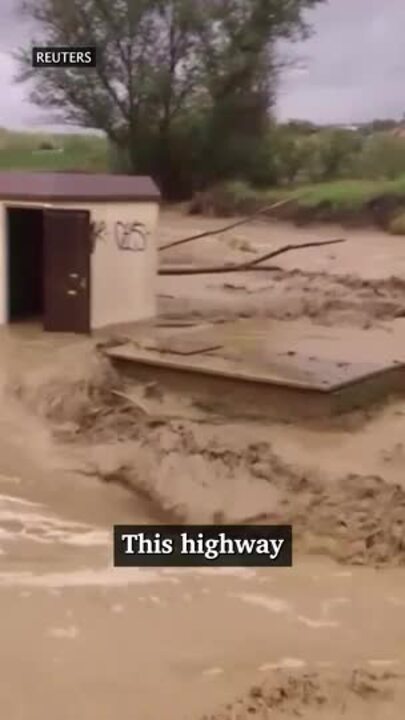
(123, 281)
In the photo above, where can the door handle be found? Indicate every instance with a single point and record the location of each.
(83, 283)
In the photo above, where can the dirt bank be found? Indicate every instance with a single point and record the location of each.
(377, 211)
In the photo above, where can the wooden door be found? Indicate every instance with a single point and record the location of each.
(67, 271)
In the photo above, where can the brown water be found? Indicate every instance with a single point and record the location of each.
(89, 641)
(357, 283)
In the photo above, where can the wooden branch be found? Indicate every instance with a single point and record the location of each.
(238, 223)
(248, 266)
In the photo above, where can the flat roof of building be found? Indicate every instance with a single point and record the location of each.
(83, 187)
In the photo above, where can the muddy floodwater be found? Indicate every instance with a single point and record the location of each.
(324, 639)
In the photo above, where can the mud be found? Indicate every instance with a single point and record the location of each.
(311, 695)
(193, 471)
(290, 295)
(359, 283)
(82, 450)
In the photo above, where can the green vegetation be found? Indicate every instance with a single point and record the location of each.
(347, 194)
(342, 194)
(183, 89)
(351, 202)
(378, 199)
(328, 175)
(40, 151)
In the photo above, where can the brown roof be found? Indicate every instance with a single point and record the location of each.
(76, 186)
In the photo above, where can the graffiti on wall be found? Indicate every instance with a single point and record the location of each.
(130, 236)
(98, 232)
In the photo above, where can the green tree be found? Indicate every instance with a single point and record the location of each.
(383, 157)
(242, 70)
(302, 127)
(337, 151)
(167, 70)
(293, 153)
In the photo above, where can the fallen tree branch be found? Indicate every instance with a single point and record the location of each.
(247, 266)
(236, 224)
(131, 401)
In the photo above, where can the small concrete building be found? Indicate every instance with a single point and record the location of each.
(77, 251)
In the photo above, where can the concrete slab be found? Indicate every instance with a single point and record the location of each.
(302, 372)
(184, 344)
(278, 355)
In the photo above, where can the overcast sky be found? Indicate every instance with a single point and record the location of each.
(352, 69)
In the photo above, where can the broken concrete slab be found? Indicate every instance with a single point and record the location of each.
(275, 358)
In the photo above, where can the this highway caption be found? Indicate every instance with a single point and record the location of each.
(203, 546)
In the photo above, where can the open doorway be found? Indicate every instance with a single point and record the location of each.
(25, 264)
(48, 273)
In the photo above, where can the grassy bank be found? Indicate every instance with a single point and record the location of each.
(349, 202)
(40, 151)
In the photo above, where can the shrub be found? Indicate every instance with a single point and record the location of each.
(46, 145)
(227, 199)
(337, 153)
(292, 155)
(383, 157)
